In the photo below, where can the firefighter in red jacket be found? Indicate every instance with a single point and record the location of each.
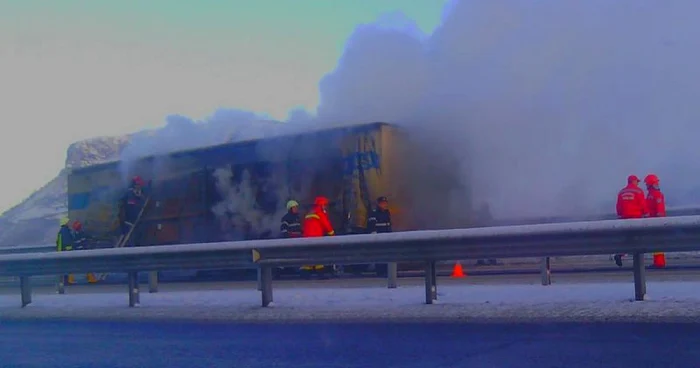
(317, 224)
(657, 208)
(631, 204)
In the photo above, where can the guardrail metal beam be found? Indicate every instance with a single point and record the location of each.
(564, 239)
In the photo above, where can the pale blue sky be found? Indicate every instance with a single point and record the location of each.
(74, 69)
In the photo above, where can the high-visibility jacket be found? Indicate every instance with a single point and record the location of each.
(656, 203)
(64, 239)
(316, 224)
(631, 202)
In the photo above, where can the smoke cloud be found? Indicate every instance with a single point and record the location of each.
(536, 107)
(549, 104)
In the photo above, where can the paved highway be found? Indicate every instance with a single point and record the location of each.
(160, 344)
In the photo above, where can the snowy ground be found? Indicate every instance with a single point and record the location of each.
(669, 301)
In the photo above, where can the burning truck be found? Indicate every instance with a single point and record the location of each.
(238, 190)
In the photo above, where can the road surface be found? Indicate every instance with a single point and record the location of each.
(173, 345)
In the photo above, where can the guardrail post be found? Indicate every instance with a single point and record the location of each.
(259, 273)
(391, 275)
(640, 285)
(153, 282)
(26, 289)
(266, 285)
(61, 285)
(546, 271)
(134, 297)
(430, 282)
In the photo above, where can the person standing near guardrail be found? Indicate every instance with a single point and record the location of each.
(81, 243)
(291, 224)
(379, 222)
(657, 208)
(317, 224)
(291, 221)
(631, 204)
(64, 243)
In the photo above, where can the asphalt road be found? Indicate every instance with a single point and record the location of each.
(103, 344)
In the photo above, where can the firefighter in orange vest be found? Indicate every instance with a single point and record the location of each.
(657, 208)
(631, 204)
(317, 224)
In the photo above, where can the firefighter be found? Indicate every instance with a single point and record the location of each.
(133, 202)
(64, 243)
(291, 222)
(656, 204)
(317, 224)
(290, 227)
(378, 222)
(80, 243)
(631, 204)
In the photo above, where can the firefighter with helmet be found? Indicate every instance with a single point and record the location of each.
(65, 243)
(291, 221)
(80, 243)
(290, 227)
(379, 222)
(317, 224)
(656, 203)
(631, 204)
(133, 202)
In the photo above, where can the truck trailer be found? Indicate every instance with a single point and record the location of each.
(238, 190)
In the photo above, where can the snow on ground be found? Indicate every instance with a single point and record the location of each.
(669, 301)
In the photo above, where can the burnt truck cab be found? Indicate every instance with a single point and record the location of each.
(237, 191)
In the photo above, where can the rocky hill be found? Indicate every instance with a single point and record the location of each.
(34, 220)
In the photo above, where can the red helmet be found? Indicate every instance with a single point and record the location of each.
(138, 181)
(321, 201)
(77, 226)
(651, 179)
(632, 179)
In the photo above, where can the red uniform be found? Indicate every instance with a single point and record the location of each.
(656, 203)
(316, 224)
(631, 202)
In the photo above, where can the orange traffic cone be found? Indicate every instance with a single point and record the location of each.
(659, 260)
(457, 271)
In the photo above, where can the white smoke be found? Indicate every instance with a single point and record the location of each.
(549, 105)
(538, 107)
(240, 213)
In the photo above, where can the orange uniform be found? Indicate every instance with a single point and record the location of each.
(656, 203)
(631, 202)
(655, 199)
(316, 224)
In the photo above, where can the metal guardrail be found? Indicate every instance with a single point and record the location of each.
(28, 249)
(670, 234)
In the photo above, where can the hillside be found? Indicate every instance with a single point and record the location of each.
(34, 220)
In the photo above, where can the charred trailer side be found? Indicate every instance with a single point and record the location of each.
(238, 190)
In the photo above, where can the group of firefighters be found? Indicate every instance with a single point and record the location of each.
(73, 238)
(632, 203)
(317, 224)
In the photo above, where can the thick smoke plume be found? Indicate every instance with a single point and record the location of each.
(539, 107)
(549, 104)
